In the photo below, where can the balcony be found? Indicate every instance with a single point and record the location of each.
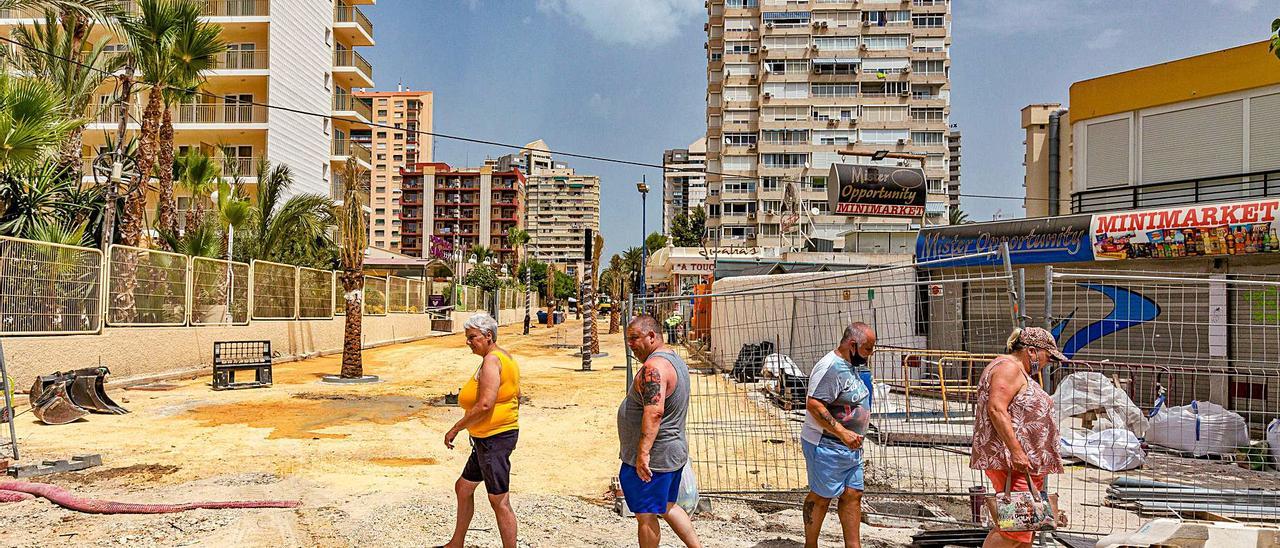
(234, 62)
(211, 115)
(345, 149)
(11, 15)
(351, 26)
(350, 108)
(237, 8)
(1175, 193)
(353, 67)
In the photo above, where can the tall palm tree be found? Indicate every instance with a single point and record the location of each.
(53, 51)
(199, 175)
(354, 234)
(517, 238)
(616, 280)
(32, 122)
(193, 52)
(597, 249)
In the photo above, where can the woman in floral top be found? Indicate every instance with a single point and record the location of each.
(1015, 431)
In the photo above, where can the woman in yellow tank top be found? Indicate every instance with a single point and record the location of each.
(491, 399)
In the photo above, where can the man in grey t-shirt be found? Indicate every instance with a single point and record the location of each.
(838, 412)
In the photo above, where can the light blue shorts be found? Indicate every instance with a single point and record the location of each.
(832, 469)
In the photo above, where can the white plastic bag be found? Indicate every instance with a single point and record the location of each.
(1083, 392)
(1273, 439)
(1203, 428)
(1114, 449)
(688, 496)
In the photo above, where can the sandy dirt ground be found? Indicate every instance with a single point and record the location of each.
(367, 462)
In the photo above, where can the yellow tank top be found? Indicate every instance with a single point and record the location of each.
(506, 407)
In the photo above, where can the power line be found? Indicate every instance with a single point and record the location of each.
(472, 140)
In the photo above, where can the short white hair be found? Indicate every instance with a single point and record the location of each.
(484, 322)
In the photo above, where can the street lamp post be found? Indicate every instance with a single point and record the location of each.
(643, 187)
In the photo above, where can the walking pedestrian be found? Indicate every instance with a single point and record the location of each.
(651, 435)
(1015, 432)
(491, 399)
(836, 419)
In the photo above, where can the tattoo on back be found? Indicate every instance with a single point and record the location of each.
(650, 385)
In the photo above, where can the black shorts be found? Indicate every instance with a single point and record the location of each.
(490, 461)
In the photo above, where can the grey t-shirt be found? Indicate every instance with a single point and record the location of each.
(670, 449)
(835, 382)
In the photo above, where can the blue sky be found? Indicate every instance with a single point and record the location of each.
(626, 78)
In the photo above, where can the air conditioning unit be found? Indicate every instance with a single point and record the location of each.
(751, 216)
(824, 24)
(831, 123)
(862, 47)
(853, 121)
(751, 146)
(768, 96)
(814, 47)
(902, 142)
(706, 27)
(763, 49)
(817, 24)
(906, 70)
(904, 93)
(754, 51)
(866, 23)
(768, 25)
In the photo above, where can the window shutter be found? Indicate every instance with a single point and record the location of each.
(1264, 132)
(1107, 153)
(1195, 142)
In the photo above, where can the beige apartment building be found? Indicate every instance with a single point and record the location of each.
(795, 86)
(559, 204)
(394, 144)
(684, 181)
(299, 54)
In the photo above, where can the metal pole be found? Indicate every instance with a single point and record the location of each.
(1022, 298)
(1048, 297)
(117, 167)
(630, 314)
(1014, 312)
(588, 299)
(644, 234)
(8, 402)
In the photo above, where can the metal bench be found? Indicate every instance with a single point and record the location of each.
(232, 356)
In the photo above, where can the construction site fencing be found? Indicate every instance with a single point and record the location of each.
(397, 295)
(469, 298)
(48, 288)
(219, 292)
(275, 290)
(316, 289)
(148, 287)
(375, 296)
(510, 298)
(1163, 410)
(416, 296)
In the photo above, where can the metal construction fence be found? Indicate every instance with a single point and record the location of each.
(1173, 385)
(53, 289)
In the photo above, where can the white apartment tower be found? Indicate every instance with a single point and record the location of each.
(684, 183)
(796, 85)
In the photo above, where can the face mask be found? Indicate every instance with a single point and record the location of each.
(1035, 362)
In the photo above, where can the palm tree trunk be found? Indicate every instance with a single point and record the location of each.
(613, 310)
(131, 223)
(352, 286)
(166, 208)
(69, 157)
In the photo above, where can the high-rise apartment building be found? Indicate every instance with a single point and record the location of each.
(559, 205)
(464, 207)
(292, 53)
(953, 169)
(794, 86)
(684, 182)
(394, 143)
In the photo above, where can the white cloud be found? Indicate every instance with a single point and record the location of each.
(600, 105)
(1016, 17)
(1106, 39)
(1238, 5)
(473, 5)
(628, 22)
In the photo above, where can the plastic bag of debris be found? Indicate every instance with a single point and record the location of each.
(1202, 428)
(1113, 449)
(1081, 393)
(1273, 439)
(687, 498)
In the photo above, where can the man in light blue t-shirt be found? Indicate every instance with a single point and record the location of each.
(838, 412)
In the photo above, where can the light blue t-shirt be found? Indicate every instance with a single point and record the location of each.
(836, 383)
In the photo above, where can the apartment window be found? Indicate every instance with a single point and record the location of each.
(884, 113)
(738, 185)
(935, 160)
(835, 90)
(382, 135)
(380, 233)
(886, 42)
(770, 184)
(786, 19)
(382, 113)
(769, 230)
(738, 232)
(929, 45)
(786, 42)
(927, 137)
(884, 89)
(927, 114)
(381, 189)
(785, 136)
(784, 160)
(784, 114)
(739, 93)
(716, 56)
(883, 136)
(737, 47)
(926, 20)
(771, 207)
(929, 67)
(840, 43)
(739, 24)
(837, 19)
(738, 208)
(379, 222)
(382, 157)
(926, 92)
(835, 66)
(883, 18)
(928, 2)
(822, 207)
(786, 90)
(934, 186)
(739, 69)
(382, 102)
(380, 211)
(399, 104)
(834, 137)
(738, 163)
(739, 139)
(740, 4)
(835, 113)
(739, 117)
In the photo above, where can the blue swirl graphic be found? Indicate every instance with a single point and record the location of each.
(1129, 309)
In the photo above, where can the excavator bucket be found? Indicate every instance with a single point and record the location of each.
(87, 390)
(54, 406)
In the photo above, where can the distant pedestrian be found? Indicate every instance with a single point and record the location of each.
(651, 433)
(1015, 432)
(491, 399)
(838, 412)
(673, 322)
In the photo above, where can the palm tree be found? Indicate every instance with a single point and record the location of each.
(589, 299)
(615, 279)
(32, 121)
(294, 231)
(517, 238)
(199, 175)
(52, 50)
(194, 50)
(354, 234)
(481, 253)
(33, 197)
(957, 216)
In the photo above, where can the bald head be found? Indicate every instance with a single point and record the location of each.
(859, 338)
(644, 336)
(645, 324)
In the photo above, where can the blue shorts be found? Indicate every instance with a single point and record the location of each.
(832, 469)
(649, 497)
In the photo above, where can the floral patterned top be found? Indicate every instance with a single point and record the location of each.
(1034, 424)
